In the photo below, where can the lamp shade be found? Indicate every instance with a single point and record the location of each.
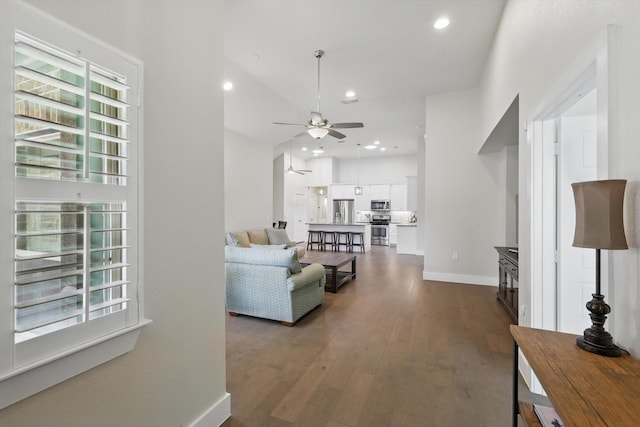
(599, 222)
(318, 133)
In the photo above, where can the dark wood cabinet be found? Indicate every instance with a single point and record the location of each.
(508, 281)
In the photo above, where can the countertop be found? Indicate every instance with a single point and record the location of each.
(338, 223)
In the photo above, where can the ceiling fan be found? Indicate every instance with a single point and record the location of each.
(290, 169)
(317, 126)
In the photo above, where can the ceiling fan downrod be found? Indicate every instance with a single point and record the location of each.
(318, 54)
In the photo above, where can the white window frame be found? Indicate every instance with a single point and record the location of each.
(33, 365)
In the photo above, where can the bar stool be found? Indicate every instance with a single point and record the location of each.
(357, 239)
(314, 238)
(343, 238)
(329, 238)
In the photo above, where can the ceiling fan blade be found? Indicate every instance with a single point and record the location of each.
(298, 172)
(347, 125)
(336, 134)
(290, 124)
(304, 170)
(316, 118)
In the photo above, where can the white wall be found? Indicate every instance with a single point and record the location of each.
(376, 170)
(292, 183)
(248, 188)
(464, 193)
(177, 370)
(540, 48)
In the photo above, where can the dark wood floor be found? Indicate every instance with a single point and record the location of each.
(389, 349)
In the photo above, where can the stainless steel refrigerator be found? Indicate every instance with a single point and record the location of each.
(343, 212)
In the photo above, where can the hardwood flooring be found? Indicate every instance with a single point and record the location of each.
(389, 349)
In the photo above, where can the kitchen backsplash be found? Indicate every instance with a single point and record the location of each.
(397, 217)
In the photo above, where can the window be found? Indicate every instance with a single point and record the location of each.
(70, 271)
(70, 125)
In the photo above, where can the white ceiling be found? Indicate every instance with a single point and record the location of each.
(385, 50)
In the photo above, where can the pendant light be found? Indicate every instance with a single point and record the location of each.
(358, 189)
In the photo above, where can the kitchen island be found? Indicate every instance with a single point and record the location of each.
(407, 239)
(356, 227)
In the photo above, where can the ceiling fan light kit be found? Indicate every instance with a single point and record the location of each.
(317, 126)
(318, 133)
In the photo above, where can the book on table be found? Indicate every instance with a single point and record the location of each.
(548, 416)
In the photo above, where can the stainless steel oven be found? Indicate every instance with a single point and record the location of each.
(380, 229)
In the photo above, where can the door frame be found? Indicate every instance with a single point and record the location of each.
(541, 131)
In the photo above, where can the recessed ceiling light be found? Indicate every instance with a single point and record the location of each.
(318, 151)
(441, 23)
(304, 148)
(350, 94)
(376, 142)
(227, 85)
(383, 149)
(370, 147)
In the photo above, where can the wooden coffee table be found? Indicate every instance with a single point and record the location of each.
(332, 261)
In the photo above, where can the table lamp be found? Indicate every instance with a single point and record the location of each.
(599, 225)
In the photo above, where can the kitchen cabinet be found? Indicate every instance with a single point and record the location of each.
(398, 193)
(321, 174)
(380, 191)
(363, 201)
(393, 234)
(407, 239)
(341, 191)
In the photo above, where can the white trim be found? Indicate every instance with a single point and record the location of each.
(216, 414)
(24, 382)
(460, 278)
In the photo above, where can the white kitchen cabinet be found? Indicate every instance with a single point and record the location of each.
(393, 234)
(321, 174)
(407, 239)
(398, 197)
(363, 201)
(380, 191)
(341, 191)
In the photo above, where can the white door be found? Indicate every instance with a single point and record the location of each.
(299, 218)
(576, 266)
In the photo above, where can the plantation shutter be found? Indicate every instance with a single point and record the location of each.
(71, 261)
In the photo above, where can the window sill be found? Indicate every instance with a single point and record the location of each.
(28, 380)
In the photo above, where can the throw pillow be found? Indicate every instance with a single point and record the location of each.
(258, 236)
(240, 238)
(254, 245)
(278, 236)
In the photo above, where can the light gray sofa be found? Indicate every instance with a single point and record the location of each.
(271, 284)
(262, 236)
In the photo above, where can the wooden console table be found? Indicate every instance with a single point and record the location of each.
(584, 388)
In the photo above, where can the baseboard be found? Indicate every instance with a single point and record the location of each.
(460, 278)
(216, 414)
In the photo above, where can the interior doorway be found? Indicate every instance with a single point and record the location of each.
(566, 146)
(577, 162)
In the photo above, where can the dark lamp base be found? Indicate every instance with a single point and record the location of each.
(611, 350)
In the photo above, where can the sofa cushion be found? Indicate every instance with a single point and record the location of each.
(258, 236)
(278, 236)
(238, 238)
(253, 245)
(283, 258)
